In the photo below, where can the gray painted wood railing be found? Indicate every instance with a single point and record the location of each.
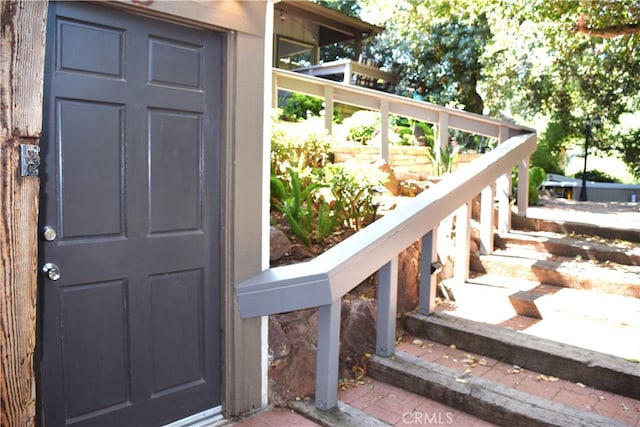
(323, 281)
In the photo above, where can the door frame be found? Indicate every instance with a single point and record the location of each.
(244, 207)
(201, 398)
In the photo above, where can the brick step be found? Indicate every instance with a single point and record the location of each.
(595, 369)
(557, 245)
(502, 394)
(609, 278)
(554, 303)
(570, 227)
(344, 415)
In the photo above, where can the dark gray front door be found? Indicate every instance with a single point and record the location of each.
(130, 332)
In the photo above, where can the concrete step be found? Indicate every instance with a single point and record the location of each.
(605, 277)
(594, 369)
(570, 227)
(549, 302)
(487, 399)
(579, 247)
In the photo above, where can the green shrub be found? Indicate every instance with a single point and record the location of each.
(301, 148)
(306, 212)
(444, 164)
(598, 176)
(352, 187)
(362, 126)
(296, 106)
(537, 175)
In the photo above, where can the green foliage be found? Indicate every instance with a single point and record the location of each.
(362, 134)
(550, 152)
(307, 214)
(523, 58)
(352, 186)
(444, 162)
(628, 144)
(296, 106)
(313, 195)
(434, 46)
(304, 152)
(598, 176)
(362, 126)
(537, 64)
(537, 175)
(536, 178)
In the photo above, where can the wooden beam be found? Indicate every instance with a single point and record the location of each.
(22, 46)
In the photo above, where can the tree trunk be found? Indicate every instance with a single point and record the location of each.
(22, 42)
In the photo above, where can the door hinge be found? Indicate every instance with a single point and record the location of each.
(29, 160)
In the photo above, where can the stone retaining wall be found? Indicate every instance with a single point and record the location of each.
(403, 159)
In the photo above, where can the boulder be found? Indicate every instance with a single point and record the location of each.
(392, 184)
(292, 345)
(279, 244)
(408, 278)
(357, 333)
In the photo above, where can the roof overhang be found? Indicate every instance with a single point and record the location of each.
(334, 26)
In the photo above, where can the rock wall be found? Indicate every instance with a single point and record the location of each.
(293, 336)
(405, 160)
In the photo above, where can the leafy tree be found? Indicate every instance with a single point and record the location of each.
(545, 63)
(549, 59)
(438, 44)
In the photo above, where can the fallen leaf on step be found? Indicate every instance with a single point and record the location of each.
(461, 380)
(453, 347)
(624, 407)
(580, 385)
(417, 342)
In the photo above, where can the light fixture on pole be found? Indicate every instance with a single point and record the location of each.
(588, 125)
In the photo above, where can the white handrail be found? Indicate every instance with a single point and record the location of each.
(323, 281)
(328, 277)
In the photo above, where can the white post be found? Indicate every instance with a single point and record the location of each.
(346, 79)
(274, 91)
(487, 201)
(384, 130)
(523, 186)
(387, 307)
(443, 135)
(328, 109)
(503, 190)
(463, 237)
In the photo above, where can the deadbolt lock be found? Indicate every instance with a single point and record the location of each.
(49, 233)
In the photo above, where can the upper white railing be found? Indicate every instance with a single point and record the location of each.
(323, 281)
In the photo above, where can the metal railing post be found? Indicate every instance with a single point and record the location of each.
(428, 281)
(327, 356)
(387, 307)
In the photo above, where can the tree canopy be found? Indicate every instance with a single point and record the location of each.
(548, 64)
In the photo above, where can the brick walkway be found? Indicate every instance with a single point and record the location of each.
(402, 408)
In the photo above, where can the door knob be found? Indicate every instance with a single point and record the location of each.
(52, 271)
